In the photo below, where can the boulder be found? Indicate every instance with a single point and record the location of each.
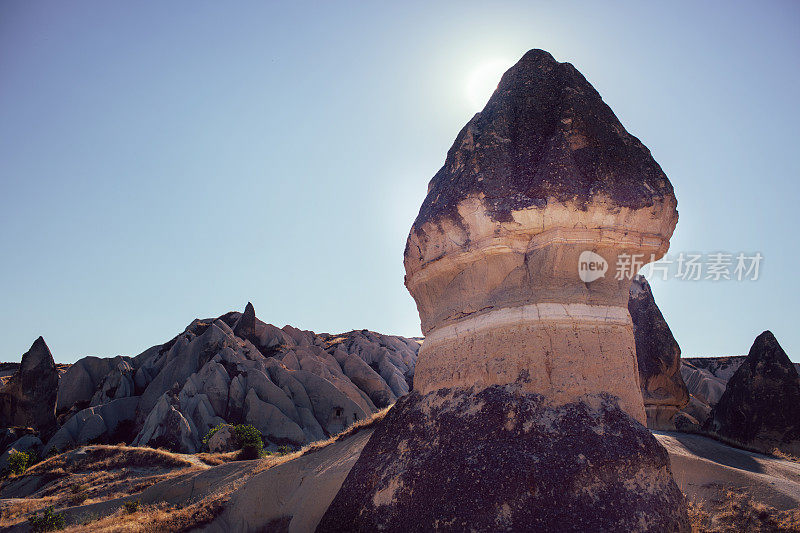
(504, 460)
(166, 427)
(29, 397)
(102, 423)
(526, 413)
(118, 383)
(760, 407)
(27, 444)
(270, 421)
(82, 379)
(366, 379)
(658, 356)
(223, 440)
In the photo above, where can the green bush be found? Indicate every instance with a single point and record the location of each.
(49, 520)
(18, 462)
(131, 506)
(33, 458)
(211, 433)
(283, 450)
(249, 439)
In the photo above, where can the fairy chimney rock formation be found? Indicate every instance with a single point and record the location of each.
(526, 413)
(543, 174)
(29, 397)
(659, 358)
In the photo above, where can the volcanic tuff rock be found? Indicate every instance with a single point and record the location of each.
(504, 460)
(294, 386)
(706, 379)
(82, 379)
(526, 408)
(543, 173)
(659, 358)
(761, 404)
(29, 397)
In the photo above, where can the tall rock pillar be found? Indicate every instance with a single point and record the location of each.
(526, 413)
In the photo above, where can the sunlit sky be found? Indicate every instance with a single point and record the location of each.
(161, 161)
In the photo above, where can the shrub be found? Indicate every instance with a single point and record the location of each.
(249, 439)
(33, 458)
(211, 433)
(49, 520)
(78, 496)
(18, 462)
(283, 450)
(132, 506)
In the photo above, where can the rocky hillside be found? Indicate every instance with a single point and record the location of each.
(706, 379)
(294, 386)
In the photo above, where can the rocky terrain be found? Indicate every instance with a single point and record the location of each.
(294, 386)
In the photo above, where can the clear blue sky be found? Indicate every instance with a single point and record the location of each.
(161, 161)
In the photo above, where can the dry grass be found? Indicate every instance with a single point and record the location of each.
(216, 459)
(274, 460)
(96, 474)
(153, 518)
(737, 512)
(785, 456)
(108, 458)
(11, 511)
(101, 473)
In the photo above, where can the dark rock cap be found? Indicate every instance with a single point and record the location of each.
(545, 132)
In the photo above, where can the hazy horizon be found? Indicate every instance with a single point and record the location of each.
(165, 162)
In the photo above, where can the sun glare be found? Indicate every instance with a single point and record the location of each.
(483, 81)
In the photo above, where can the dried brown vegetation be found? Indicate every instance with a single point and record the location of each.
(86, 476)
(737, 512)
(153, 519)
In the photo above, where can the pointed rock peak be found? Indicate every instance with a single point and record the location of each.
(246, 326)
(39, 355)
(767, 348)
(544, 135)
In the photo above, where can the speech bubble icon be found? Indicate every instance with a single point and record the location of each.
(591, 266)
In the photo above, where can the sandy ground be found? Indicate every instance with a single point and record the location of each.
(706, 469)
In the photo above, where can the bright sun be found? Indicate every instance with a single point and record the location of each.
(483, 81)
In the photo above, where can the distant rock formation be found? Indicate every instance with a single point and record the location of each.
(29, 396)
(659, 358)
(760, 407)
(526, 413)
(295, 386)
(82, 380)
(706, 379)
